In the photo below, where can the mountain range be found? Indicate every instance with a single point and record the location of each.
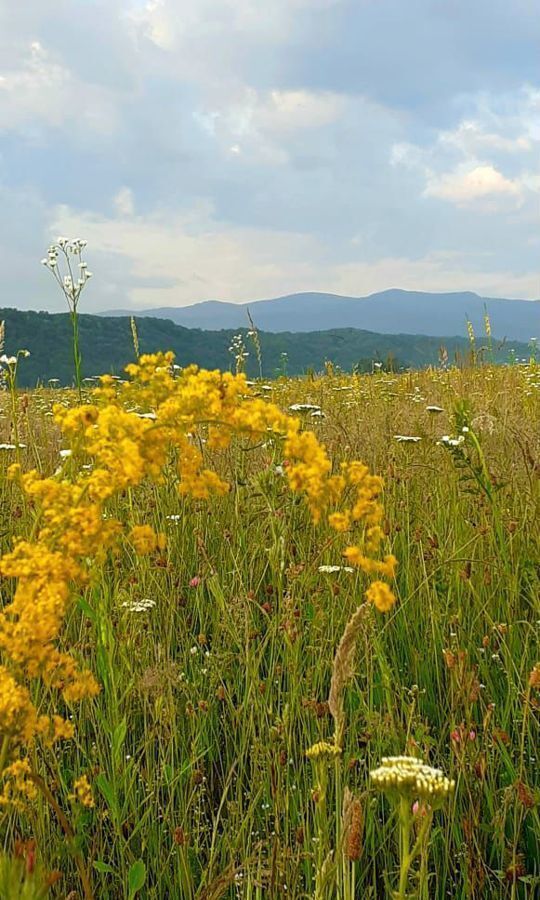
(107, 346)
(388, 312)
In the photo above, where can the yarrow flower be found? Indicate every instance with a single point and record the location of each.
(139, 605)
(323, 748)
(410, 777)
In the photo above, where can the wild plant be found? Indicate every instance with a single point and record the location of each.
(65, 261)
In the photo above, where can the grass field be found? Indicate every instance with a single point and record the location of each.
(214, 656)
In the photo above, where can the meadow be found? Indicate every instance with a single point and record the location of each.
(179, 770)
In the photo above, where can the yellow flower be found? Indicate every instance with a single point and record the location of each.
(18, 786)
(83, 792)
(126, 437)
(143, 538)
(381, 596)
(323, 748)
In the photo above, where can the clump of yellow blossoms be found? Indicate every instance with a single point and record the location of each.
(128, 434)
(82, 792)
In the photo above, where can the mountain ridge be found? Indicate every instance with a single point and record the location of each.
(394, 311)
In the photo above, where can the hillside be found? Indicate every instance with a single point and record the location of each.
(107, 346)
(388, 312)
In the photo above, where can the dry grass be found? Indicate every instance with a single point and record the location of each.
(195, 747)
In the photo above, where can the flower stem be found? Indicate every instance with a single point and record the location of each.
(68, 831)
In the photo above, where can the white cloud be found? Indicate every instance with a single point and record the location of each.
(489, 161)
(124, 202)
(40, 90)
(174, 260)
(261, 125)
(468, 185)
(171, 27)
(471, 138)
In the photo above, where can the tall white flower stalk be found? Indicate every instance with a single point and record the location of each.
(64, 260)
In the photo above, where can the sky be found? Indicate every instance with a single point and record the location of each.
(240, 149)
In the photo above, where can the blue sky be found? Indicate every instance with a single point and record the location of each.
(239, 149)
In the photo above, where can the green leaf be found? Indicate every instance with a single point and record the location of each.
(104, 867)
(136, 877)
(118, 738)
(86, 609)
(107, 790)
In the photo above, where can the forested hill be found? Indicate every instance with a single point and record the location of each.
(107, 346)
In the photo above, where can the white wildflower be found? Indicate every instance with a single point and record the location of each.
(138, 606)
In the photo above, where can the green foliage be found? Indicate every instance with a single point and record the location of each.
(20, 880)
(106, 345)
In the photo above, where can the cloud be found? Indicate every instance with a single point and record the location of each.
(265, 126)
(228, 148)
(466, 186)
(489, 161)
(124, 202)
(40, 92)
(163, 260)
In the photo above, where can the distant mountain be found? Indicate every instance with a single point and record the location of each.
(107, 346)
(389, 312)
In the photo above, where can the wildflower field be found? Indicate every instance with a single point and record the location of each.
(225, 604)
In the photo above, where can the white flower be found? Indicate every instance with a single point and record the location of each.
(303, 407)
(12, 446)
(148, 415)
(451, 442)
(174, 518)
(65, 453)
(139, 605)
(406, 439)
(8, 360)
(331, 569)
(279, 470)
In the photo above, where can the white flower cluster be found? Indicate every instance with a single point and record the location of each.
(412, 778)
(238, 348)
(10, 361)
(305, 407)
(138, 606)
(70, 285)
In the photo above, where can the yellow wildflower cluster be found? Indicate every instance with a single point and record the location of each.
(18, 785)
(128, 434)
(145, 540)
(82, 792)
(323, 748)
